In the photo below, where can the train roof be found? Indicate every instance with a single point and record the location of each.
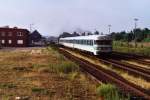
(92, 37)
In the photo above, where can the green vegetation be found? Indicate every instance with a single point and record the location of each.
(109, 92)
(138, 35)
(136, 41)
(141, 48)
(27, 73)
(5, 98)
(7, 85)
(147, 40)
(64, 67)
(40, 90)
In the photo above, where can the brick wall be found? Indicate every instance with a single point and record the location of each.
(14, 37)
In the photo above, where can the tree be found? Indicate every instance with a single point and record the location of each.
(65, 34)
(75, 34)
(96, 32)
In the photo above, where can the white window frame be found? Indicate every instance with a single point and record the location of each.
(19, 34)
(20, 41)
(9, 41)
(3, 41)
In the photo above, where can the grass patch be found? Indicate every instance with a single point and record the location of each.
(74, 75)
(28, 72)
(109, 92)
(124, 47)
(5, 98)
(64, 67)
(40, 91)
(21, 69)
(8, 85)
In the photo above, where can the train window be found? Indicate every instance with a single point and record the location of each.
(85, 42)
(103, 42)
(91, 42)
(88, 42)
(82, 41)
(79, 41)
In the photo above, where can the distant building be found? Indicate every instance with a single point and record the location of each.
(13, 37)
(52, 40)
(35, 39)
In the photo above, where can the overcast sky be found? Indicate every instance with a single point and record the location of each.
(51, 17)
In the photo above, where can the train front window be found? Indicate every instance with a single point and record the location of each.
(103, 42)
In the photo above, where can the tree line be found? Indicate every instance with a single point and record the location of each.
(67, 34)
(137, 35)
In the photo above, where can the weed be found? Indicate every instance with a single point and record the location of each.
(5, 98)
(40, 90)
(21, 69)
(7, 85)
(64, 67)
(109, 92)
(123, 47)
(73, 75)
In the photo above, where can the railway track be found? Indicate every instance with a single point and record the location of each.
(133, 55)
(136, 58)
(131, 69)
(108, 76)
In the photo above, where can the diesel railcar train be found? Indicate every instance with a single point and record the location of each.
(96, 44)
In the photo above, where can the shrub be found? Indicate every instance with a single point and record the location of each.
(7, 85)
(74, 75)
(40, 90)
(64, 67)
(109, 92)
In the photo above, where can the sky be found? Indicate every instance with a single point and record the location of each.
(52, 17)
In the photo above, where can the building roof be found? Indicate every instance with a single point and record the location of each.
(15, 28)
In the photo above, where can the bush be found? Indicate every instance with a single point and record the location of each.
(147, 40)
(64, 67)
(40, 90)
(109, 92)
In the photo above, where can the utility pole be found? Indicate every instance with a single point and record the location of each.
(109, 27)
(31, 26)
(136, 20)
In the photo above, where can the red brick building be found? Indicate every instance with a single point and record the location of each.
(14, 37)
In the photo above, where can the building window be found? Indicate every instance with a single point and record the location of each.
(19, 34)
(9, 33)
(19, 41)
(3, 34)
(9, 41)
(3, 41)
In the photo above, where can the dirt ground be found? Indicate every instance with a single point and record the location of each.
(25, 75)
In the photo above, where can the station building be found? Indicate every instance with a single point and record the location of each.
(13, 37)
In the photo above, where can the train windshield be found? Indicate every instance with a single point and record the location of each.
(103, 42)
